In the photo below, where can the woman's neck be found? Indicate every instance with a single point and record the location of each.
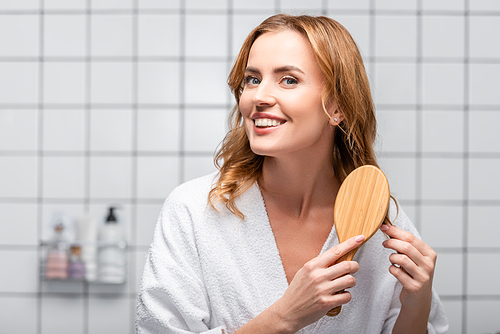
(299, 185)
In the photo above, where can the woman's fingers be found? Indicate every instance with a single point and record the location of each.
(414, 262)
(403, 247)
(345, 282)
(341, 269)
(399, 234)
(333, 254)
(415, 249)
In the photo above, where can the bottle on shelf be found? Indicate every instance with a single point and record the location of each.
(56, 264)
(87, 234)
(76, 266)
(111, 259)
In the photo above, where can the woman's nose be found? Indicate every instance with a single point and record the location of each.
(264, 95)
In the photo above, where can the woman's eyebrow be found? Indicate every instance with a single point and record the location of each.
(252, 70)
(281, 69)
(287, 68)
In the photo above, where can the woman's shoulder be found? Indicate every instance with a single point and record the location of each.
(193, 190)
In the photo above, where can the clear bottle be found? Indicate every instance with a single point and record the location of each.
(111, 259)
(56, 265)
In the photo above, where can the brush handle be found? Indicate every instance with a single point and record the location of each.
(335, 311)
(347, 257)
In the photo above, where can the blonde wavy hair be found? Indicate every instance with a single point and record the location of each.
(345, 82)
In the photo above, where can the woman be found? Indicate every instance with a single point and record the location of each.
(261, 256)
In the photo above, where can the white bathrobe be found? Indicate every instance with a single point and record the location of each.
(210, 272)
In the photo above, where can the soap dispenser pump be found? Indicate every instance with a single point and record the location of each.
(111, 255)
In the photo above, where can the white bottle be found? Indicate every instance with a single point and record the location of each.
(111, 259)
(87, 234)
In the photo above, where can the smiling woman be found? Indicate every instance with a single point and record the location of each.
(285, 87)
(262, 256)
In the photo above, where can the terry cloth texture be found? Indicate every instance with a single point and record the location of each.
(210, 272)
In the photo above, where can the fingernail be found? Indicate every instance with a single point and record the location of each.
(384, 227)
(359, 238)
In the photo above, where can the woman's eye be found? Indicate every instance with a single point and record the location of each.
(289, 81)
(252, 80)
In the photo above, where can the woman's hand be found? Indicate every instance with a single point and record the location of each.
(311, 293)
(413, 266)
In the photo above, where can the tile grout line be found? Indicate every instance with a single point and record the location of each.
(87, 142)
(39, 166)
(182, 88)
(419, 120)
(134, 186)
(465, 209)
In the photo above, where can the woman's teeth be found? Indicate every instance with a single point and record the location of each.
(266, 122)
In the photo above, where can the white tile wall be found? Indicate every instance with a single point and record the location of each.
(482, 84)
(20, 273)
(401, 173)
(437, 76)
(454, 312)
(63, 177)
(111, 130)
(481, 45)
(348, 4)
(24, 41)
(18, 177)
(62, 314)
(440, 37)
(243, 23)
(395, 36)
(158, 82)
(63, 123)
(64, 82)
(111, 82)
(396, 5)
(484, 134)
(443, 131)
(399, 130)
(156, 176)
(206, 36)
(109, 315)
(359, 27)
(442, 179)
(18, 130)
(68, 42)
(158, 35)
(486, 226)
(448, 275)
(482, 316)
(110, 35)
(395, 83)
(120, 105)
(18, 82)
(442, 226)
(205, 82)
(11, 319)
(158, 130)
(448, 5)
(63, 4)
(146, 218)
(18, 224)
(110, 177)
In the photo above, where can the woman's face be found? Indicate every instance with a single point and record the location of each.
(281, 100)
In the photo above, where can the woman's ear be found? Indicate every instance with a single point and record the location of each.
(336, 115)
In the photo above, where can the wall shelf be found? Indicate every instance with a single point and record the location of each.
(86, 246)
